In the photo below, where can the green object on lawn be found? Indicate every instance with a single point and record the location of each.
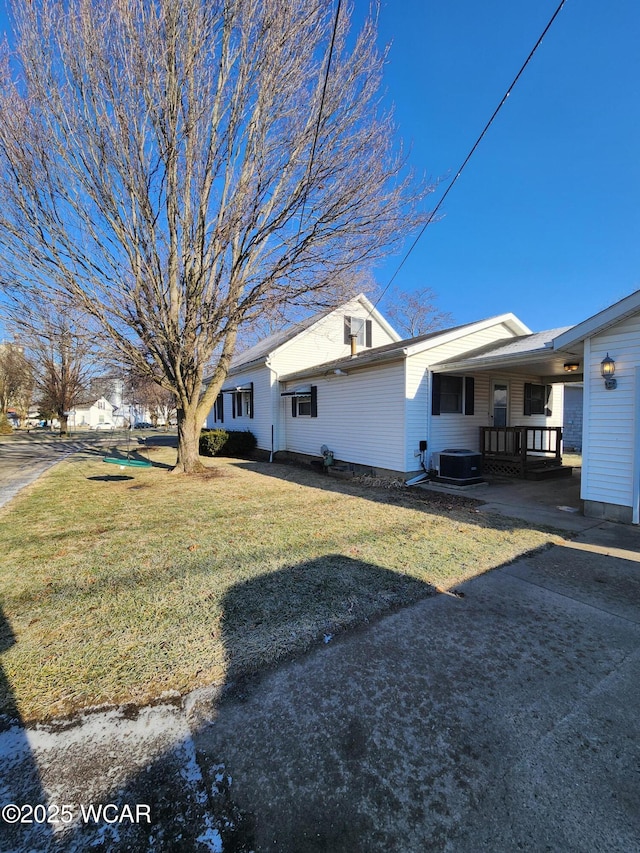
(130, 463)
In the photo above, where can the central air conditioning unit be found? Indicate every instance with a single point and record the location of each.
(460, 467)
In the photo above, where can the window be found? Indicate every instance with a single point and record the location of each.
(452, 394)
(359, 327)
(218, 409)
(537, 399)
(304, 406)
(304, 403)
(244, 404)
(241, 401)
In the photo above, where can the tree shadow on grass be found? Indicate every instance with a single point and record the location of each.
(275, 617)
(437, 725)
(20, 782)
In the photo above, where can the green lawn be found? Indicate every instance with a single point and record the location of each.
(117, 590)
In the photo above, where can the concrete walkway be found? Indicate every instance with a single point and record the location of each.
(547, 503)
(503, 720)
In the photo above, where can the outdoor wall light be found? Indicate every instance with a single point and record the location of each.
(571, 366)
(607, 369)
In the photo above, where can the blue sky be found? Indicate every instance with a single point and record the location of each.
(545, 219)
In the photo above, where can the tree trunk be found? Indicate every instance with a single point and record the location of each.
(188, 461)
(64, 424)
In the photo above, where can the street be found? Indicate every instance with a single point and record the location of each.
(25, 456)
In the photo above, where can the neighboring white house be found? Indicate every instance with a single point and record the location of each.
(90, 414)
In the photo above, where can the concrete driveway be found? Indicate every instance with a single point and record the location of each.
(505, 719)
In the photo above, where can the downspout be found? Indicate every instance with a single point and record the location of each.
(635, 509)
(429, 413)
(275, 407)
(424, 445)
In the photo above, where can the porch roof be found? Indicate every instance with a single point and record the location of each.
(526, 354)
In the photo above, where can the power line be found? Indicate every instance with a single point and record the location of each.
(472, 151)
(317, 130)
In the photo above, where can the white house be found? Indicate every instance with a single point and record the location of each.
(250, 398)
(90, 414)
(610, 340)
(381, 408)
(492, 387)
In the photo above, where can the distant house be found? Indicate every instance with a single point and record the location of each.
(90, 414)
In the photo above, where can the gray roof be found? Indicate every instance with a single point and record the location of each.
(366, 357)
(264, 348)
(522, 345)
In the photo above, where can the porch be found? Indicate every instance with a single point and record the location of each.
(529, 452)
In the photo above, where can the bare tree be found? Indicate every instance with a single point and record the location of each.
(416, 312)
(179, 166)
(16, 379)
(151, 397)
(59, 350)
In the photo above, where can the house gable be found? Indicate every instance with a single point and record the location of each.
(319, 338)
(316, 339)
(599, 323)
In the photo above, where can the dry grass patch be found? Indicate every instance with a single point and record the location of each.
(117, 590)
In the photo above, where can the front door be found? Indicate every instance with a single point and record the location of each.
(500, 404)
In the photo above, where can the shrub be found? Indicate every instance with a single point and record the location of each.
(220, 442)
(211, 440)
(239, 443)
(5, 426)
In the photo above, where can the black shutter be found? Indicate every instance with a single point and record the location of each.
(233, 405)
(469, 390)
(435, 393)
(251, 401)
(367, 333)
(314, 401)
(547, 410)
(294, 407)
(347, 330)
(527, 398)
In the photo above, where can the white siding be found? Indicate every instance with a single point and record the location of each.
(417, 408)
(324, 341)
(260, 423)
(466, 343)
(360, 418)
(445, 430)
(610, 417)
(463, 431)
